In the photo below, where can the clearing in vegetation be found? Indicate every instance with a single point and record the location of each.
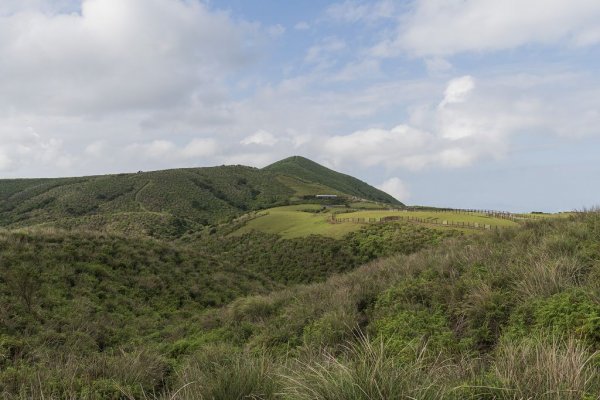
(312, 219)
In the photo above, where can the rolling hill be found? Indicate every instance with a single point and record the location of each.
(309, 171)
(249, 288)
(170, 202)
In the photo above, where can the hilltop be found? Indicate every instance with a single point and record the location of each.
(172, 202)
(309, 171)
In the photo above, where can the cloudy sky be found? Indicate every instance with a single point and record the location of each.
(461, 103)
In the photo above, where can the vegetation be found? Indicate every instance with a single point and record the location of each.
(434, 216)
(307, 170)
(78, 308)
(508, 314)
(112, 288)
(297, 221)
(312, 219)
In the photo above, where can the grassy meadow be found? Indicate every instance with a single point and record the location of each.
(297, 221)
(312, 219)
(433, 216)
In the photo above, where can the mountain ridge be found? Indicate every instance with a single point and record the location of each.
(176, 200)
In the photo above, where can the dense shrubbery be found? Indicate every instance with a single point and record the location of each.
(506, 315)
(77, 308)
(510, 315)
(190, 197)
(193, 196)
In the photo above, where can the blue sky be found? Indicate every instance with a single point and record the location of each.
(460, 103)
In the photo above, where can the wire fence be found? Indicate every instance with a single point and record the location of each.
(434, 221)
(514, 217)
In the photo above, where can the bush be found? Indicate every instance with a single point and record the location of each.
(575, 313)
(225, 373)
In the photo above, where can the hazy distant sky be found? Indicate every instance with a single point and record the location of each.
(462, 103)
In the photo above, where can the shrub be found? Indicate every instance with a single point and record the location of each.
(225, 373)
(575, 312)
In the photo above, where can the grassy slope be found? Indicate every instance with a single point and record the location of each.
(89, 313)
(504, 315)
(299, 221)
(510, 314)
(310, 171)
(294, 221)
(200, 195)
(167, 203)
(448, 216)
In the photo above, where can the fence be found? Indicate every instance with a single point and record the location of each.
(434, 221)
(491, 213)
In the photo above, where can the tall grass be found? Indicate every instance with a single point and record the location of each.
(366, 371)
(548, 368)
(220, 373)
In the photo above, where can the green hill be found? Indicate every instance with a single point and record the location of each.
(309, 171)
(505, 315)
(167, 203)
(86, 315)
(195, 195)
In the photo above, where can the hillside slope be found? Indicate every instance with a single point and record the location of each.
(165, 203)
(506, 315)
(84, 315)
(310, 171)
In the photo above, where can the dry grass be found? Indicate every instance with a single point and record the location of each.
(547, 368)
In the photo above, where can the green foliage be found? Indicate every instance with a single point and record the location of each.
(575, 312)
(189, 196)
(406, 316)
(503, 315)
(164, 204)
(226, 373)
(307, 170)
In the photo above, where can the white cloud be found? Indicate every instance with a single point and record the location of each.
(261, 138)
(276, 30)
(396, 188)
(446, 27)
(5, 160)
(118, 55)
(365, 69)
(200, 147)
(22, 146)
(377, 146)
(469, 123)
(95, 149)
(458, 89)
(165, 150)
(355, 11)
(437, 65)
(323, 50)
(302, 26)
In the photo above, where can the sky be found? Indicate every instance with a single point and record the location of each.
(456, 103)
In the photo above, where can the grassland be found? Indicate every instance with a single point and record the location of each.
(297, 221)
(89, 315)
(184, 199)
(311, 219)
(512, 314)
(433, 216)
(509, 314)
